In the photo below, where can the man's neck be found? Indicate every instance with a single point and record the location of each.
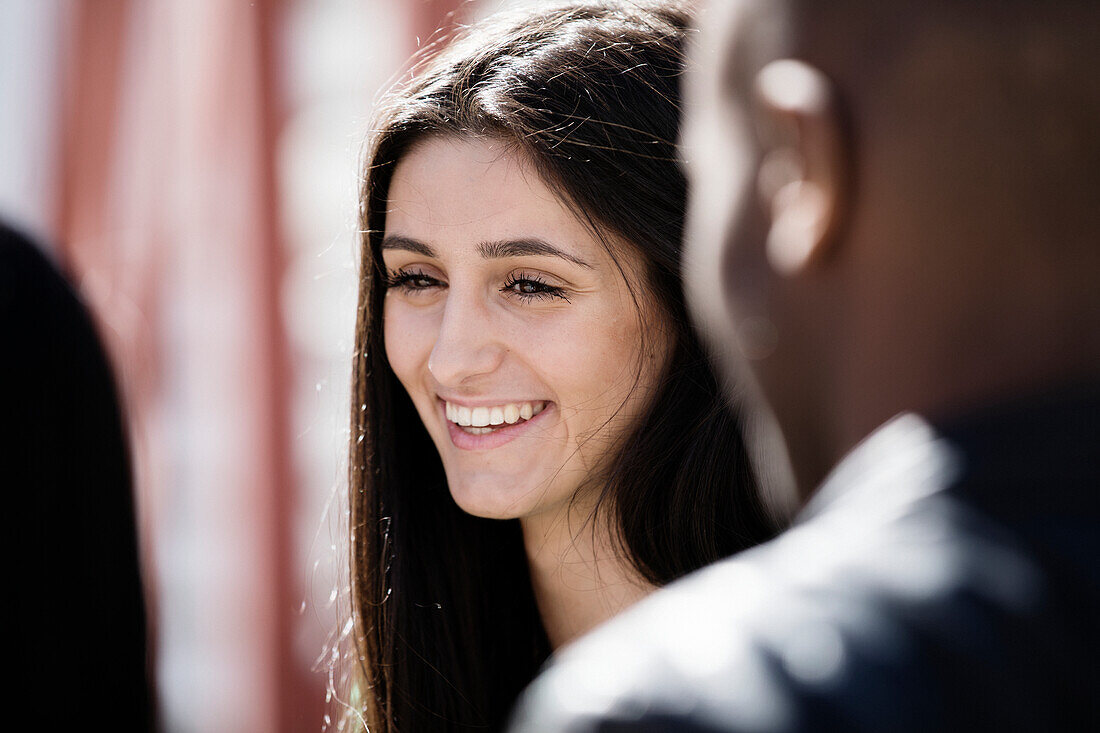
(960, 359)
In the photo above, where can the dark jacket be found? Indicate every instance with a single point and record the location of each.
(941, 580)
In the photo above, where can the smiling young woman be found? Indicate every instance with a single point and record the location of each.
(537, 439)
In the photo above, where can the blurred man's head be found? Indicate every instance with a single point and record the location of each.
(895, 206)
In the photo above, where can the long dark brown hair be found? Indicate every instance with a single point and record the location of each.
(447, 629)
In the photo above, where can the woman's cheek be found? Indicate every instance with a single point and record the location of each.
(408, 340)
(586, 359)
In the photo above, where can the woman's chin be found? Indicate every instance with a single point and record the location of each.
(487, 504)
(486, 499)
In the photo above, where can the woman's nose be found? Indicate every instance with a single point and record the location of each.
(467, 345)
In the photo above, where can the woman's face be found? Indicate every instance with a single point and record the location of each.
(511, 327)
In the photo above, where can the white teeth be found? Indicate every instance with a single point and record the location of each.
(479, 419)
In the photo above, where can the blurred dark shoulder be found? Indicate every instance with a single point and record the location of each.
(80, 623)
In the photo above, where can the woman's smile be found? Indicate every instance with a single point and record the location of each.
(485, 427)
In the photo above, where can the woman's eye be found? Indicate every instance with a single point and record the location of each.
(411, 281)
(532, 288)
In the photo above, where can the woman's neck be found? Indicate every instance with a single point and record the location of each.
(579, 578)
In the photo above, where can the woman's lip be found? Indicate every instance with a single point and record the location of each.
(465, 441)
(486, 403)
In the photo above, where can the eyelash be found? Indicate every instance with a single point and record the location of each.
(542, 290)
(405, 279)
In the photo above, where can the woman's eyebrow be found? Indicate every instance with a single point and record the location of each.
(526, 248)
(396, 241)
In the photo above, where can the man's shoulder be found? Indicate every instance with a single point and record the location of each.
(747, 643)
(898, 614)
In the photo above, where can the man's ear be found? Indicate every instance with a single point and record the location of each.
(802, 178)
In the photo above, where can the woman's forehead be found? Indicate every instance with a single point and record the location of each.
(467, 191)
